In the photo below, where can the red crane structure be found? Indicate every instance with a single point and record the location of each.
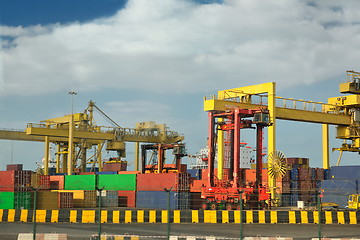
(225, 193)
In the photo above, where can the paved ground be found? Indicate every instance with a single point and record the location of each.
(83, 231)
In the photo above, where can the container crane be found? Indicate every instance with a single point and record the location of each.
(226, 193)
(74, 134)
(342, 112)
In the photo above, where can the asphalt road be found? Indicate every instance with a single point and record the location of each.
(84, 231)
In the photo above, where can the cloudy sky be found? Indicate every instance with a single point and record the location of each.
(143, 60)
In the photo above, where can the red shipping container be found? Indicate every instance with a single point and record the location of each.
(286, 187)
(16, 167)
(179, 182)
(195, 200)
(11, 181)
(65, 200)
(127, 198)
(129, 172)
(305, 174)
(196, 185)
(114, 167)
(86, 173)
(44, 182)
(320, 174)
(57, 181)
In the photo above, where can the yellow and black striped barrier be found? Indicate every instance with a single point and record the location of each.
(180, 216)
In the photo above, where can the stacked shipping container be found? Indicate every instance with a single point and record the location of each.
(151, 190)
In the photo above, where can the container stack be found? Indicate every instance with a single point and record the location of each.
(151, 190)
(15, 188)
(302, 182)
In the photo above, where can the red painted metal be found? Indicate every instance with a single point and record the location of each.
(127, 198)
(44, 182)
(211, 154)
(180, 182)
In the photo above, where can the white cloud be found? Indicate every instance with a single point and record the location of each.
(178, 46)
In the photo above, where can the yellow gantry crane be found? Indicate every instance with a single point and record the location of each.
(343, 112)
(78, 132)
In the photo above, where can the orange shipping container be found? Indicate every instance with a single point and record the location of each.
(57, 182)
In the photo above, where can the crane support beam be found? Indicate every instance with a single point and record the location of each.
(282, 113)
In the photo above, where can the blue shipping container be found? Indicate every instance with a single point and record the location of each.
(345, 172)
(294, 174)
(343, 187)
(195, 173)
(339, 199)
(106, 172)
(159, 200)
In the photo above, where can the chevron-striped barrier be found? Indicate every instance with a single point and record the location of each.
(180, 216)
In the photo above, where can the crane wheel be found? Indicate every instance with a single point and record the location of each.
(213, 206)
(204, 206)
(229, 206)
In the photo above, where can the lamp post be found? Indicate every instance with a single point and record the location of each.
(168, 213)
(99, 212)
(241, 217)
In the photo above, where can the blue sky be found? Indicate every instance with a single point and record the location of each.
(143, 60)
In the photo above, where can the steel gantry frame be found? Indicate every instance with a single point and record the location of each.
(342, 112)
(79, 129)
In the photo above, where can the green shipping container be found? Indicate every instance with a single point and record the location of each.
(16, 200)
(80, 182)
(119, 182)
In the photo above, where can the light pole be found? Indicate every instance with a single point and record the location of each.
(168, 212)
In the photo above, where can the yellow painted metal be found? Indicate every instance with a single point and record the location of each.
(116, 216)
(225, 216)
(137, 156)
(292, 217)
(46, 156)
(176, 216)
(54, 216)
(249, 216)
(71, 148)
(194, 216)
(262, 217)
(99, 157)
(11, 215)
(88, 216)
(58, 158)
(1, 214)
(152, 216)
(220, 151)
(237, 217)
(341, 217)
(104, 216)
(348, 100)
(304, 217)
(140, 216)
(328, 217)
(325, 146)
(73, 215)
(128, 216)
(164, 216)
(273, 217)
(23, 215)
(349, 87)
(40, 215)
(353, 218)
